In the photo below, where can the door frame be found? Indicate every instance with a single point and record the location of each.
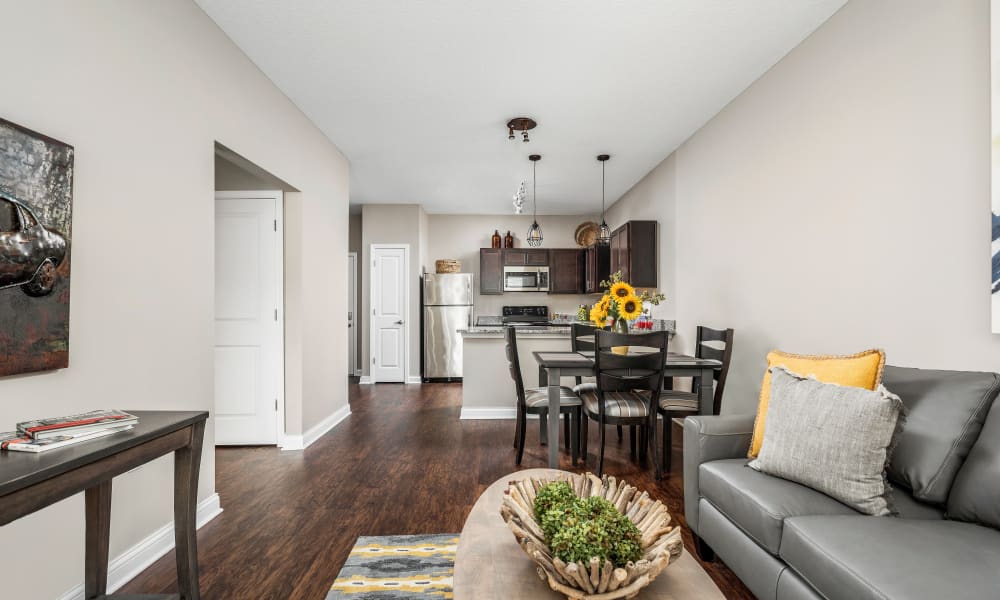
(352, 274)
(279, 229)
(406, 310)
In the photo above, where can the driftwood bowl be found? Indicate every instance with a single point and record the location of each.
(661, 541)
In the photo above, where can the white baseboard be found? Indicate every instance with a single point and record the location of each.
(301, 442)
(491, 412)
(128, 564)
(365, 380)
(417, 379)
(321, 428)
(291, 442)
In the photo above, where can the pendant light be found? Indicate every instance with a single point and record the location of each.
(534, 236)
(604, 232)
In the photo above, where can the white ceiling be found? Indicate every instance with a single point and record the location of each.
(417, 93)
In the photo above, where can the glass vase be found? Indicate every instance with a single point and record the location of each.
(620, 326)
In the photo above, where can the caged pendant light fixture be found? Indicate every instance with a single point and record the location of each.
(604, 232)
(534, 236)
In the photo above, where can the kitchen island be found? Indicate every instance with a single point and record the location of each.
(487, 389)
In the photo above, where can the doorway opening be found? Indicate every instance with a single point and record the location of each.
(249, 303)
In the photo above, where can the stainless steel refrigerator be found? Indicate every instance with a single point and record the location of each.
(447, 304)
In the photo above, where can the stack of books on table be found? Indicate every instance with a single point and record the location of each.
(48, 434)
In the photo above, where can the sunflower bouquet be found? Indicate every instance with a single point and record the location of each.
(621, 302)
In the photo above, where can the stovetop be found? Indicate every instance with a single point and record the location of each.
(528, 315)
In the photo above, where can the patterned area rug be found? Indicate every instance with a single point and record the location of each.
(398, 567)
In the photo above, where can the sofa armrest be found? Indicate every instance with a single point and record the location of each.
(708, 438)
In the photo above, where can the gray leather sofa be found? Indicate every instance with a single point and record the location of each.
(787, 541)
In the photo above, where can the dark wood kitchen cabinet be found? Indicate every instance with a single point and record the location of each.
(532, 257)
(597, 268)
(566, 271)
(490, 271)
(633, 252)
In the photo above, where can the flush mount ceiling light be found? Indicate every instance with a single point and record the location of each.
(604, 233)
(522, 124)
(534, 236)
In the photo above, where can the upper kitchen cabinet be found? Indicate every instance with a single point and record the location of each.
(597, 268)
(566, 271)
(633, 252)
(534, 257)
(490, 271)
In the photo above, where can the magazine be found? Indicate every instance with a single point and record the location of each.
(21, 443)
(95, 420)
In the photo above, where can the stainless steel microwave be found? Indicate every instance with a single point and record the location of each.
(525, 279)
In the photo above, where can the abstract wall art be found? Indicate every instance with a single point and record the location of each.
(36, 209)
(995, 161)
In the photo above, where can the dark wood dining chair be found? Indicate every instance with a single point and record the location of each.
(535, 401)
(581, 337)
(677, 403)
(628, 388)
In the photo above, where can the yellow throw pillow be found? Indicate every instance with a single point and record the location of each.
(863, 370)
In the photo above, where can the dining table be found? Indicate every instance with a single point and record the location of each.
(553, 366)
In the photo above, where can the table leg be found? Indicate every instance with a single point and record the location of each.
(97, 500)
(706, 392)
(553, 376)
(187, 462)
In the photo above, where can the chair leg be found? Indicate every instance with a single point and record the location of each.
(619, 433)
(543, 432)
(575, 433)
(517, 426)
(600, 460)
(566, 427)
(631, 441)
(651, 447)
(522, 426)
(584, 433)
(667, 447)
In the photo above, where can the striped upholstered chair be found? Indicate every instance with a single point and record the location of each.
(628, 387)
(716, 344)
(536, 401)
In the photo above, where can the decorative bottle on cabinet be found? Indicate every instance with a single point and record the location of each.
(508, 240)
(496, 238)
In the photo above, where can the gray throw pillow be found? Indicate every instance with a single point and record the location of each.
(832, 438)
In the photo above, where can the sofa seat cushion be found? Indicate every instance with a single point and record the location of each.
(758, 503)
(859, 557)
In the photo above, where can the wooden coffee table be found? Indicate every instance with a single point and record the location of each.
(490, 565)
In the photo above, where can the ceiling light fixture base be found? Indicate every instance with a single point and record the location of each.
(521, 124)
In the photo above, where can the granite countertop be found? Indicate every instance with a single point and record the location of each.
(492, 327)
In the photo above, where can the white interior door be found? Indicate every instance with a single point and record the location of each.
(352, 312)
(389, 300)
(249, 369)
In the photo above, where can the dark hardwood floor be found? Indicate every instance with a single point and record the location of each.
(290, 518)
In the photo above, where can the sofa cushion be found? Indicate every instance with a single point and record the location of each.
(853, 558)
(909, 507)
(758, 503)
(863, 369)
(832, 438)
(976, 494)
(945, 411)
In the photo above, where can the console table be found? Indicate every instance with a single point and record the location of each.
(29, 482)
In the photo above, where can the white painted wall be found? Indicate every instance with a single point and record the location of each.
(143, 90)
(842, 201)
(392, 224)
